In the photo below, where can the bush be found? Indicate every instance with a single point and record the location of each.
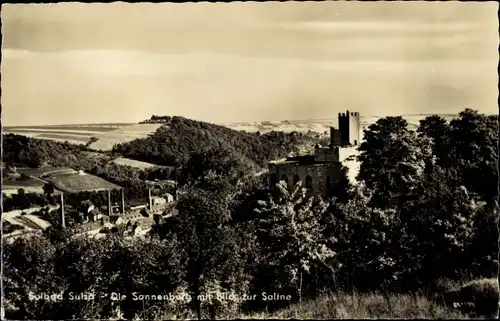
(477, 297)
(482, 289)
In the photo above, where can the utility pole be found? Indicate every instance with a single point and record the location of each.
(150, 200)
(123, 201)
(109, 203)
(63, 223)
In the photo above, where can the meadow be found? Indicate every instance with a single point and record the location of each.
(134, 163)
(75, 134)
(107, 135)
(107, 140)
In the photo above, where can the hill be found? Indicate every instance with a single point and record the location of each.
(178, 137)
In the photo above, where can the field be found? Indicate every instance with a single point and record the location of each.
(12, 185)
(133, 163)
(79, 183)
(107, 140)
(75, 134)
(37, 172)
(318, 125)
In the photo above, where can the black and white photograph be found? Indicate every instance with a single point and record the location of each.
(250, 160)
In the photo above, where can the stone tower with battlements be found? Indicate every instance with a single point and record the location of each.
(349, 127)
(320, 172)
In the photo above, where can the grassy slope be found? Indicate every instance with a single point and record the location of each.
(482, 293)
(106, 141)
(365, 306)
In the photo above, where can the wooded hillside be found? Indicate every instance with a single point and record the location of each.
(173, 143)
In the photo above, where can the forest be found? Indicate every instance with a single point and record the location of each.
(172, 144)
(416, 235)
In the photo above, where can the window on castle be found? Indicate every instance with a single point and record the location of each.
(296, 179)
(355, 142)
(309, 183)
(284, 178)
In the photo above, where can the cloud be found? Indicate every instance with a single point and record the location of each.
(376, 26)
(251, 61)
(122, 86)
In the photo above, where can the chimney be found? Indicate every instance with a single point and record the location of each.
(332, 136)
(123, 201)
(109, 203)
(63, 223)
(150, 199)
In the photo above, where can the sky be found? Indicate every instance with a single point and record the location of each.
(245, 61)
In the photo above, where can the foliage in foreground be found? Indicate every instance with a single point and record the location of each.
(477, 297)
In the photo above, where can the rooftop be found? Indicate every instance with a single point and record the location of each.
(306, 159)
(344, 153)
(90, 226)
(75, 183)
(37, 172)
(86, 203)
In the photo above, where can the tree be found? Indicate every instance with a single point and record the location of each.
(213, 257)
(445, 211)
(211, 162)
(48, 189)
(366, 241)
(159, 270)
(392, 158)
(291, 234)
(438, 131)
(342, 191)
(469, 145)
(203, 228)
(474, 148)
(29, 270)
(9, 169)
(57, 235)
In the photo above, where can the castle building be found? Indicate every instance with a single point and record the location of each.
(320, 172)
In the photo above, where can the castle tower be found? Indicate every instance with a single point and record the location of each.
(335, 137)
(349, 127)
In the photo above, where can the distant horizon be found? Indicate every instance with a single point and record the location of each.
(241, 121)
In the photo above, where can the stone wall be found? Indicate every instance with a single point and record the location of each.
(320, 174)
(326, 154)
